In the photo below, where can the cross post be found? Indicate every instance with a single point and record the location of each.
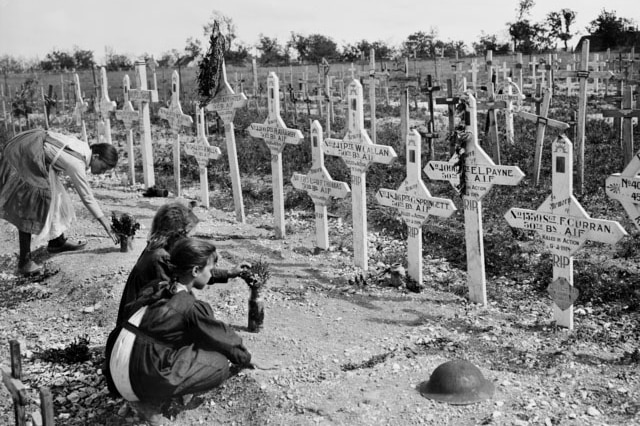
(276, 135)
(173, 114)
(358, 152)
(203, 152)
(128, 115)
(564, 227)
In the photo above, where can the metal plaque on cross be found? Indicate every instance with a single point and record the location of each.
(625, 187)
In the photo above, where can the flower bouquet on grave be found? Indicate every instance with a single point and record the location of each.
(256, 278)
(125, 227)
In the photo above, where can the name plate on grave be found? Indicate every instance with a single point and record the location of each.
(356, 153)
(623, 188)
(507, 97)
(275, 136)
(413, 205)
(140, 95)
(203, 153)
(561, 233)
(562, 293)
(225, 106)
(320, 187)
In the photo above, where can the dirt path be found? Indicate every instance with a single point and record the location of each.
(349, 354)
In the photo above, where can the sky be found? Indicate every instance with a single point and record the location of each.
(32, 28)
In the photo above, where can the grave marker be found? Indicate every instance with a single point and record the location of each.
(128, 115)
(81, 106)
(203, 152)
(474, 74)
(276, 134)
(625, 187)
(583, 75)
(430, 135)
(542, 122)
(176, 120)
(451, 102)
(358, 152)
(518, 73)
(372, 81)
(626, 113)
(415, 204)
(509, 98)
(225, 104)
(491, 122)
(319, 185)
(564, 227)
(143, 97)
(480, 174)
(104, 107)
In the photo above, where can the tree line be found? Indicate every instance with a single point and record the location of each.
(526, 36)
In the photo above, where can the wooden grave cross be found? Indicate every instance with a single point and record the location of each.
(372, 81)
(203, 152)
(474, 74)
(276, 135)
(415, 204)
(401, 79)
(176, 120)
(542, 120)
(583, 74)
(491, 76)
(430, 134)
(505, 70)
(533, 65)
(104, 108)
(518, 72)
(320, 186)
(225, 104)
(491, 105)
(81, 106)
(450, 101)
(480, 173)
(625, 187)
(144, 97)
(626, 113)
(128, 115)
(459, 74)
(358, 152)
(509, 92)
(564, 227)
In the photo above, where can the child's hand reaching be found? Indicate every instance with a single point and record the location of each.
(239, 269)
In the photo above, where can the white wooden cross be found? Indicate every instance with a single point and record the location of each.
(542, 121)
(518, 73)
(564, 227)
(128, 115)
(225, 104)
(533, 64)
(276, 135)
(358, 152)
(474, 74)
(510, 93)
(505, 72)
(81, 106)
(176, 120)
(319, 185)
(415, 204)
(203, 152)
(143, 97)
(625, 187)
(104, 107)
(626, 113)
(480, 174)
(492, 105)
(583, 75)
(372, 81)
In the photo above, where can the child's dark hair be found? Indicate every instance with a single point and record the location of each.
(190, 252)
(171, 222)
(107, 153)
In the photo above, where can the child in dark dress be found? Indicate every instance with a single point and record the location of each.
(172, 222)
(171, 344)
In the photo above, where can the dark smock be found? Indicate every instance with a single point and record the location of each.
(153, 265)
(180, 347)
